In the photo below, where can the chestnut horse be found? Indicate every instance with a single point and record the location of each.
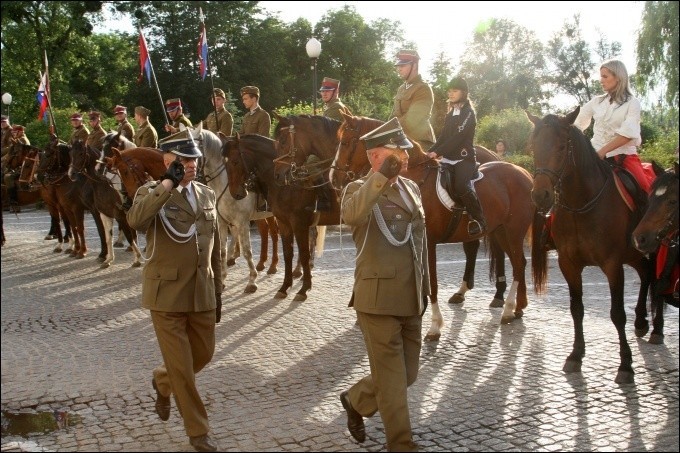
(657, 234)
(504, 193)
(591, 226)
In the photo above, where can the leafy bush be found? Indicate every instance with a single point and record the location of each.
(663, 151)
(511, 125)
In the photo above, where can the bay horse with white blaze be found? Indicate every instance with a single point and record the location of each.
(591, 226)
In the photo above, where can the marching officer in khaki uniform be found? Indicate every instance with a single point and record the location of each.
(330, 93)
(181, 283)
(414, 100)
(11, 178)
(6, 135)
(124, 127)
(256, 120)
(80, 132)
(95, 139)
(146, 136)
(175, 112)
(224, 122)
(391, 282)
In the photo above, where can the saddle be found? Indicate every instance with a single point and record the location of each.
(629, 188)
(445, 180)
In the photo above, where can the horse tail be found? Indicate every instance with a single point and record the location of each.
(320, 240)
(539, 256)
(496, 255)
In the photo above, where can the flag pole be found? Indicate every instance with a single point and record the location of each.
(48, 95)
(153, 74)
(207, 66)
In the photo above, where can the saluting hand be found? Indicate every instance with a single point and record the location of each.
(391, 166)
(175, 173)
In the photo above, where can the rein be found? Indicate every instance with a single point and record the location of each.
(306, 172)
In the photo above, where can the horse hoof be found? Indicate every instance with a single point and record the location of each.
(231, 262)
(625, 377)
(136, 264)
(80, 256)
(118, 245)
(496, 303)
(432, 336)
(300, 297)
(656, 338)
(571, 366)
(57, 250)
(250, 288)
(259, 267)
(129, 248)
(641, 332)
(457, 298)
(272, 270)
(280, 295)
(105, 265)
(507, 319)
(49, 237)
(101, 259)
(519, 314)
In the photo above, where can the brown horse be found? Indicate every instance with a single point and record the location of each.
(504, 193)
(591, 225)
(657, 235)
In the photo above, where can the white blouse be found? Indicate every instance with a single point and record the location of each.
(611, 119)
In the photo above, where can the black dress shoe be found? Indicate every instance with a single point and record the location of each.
(162, 403)
(203, 443)
(355, 422)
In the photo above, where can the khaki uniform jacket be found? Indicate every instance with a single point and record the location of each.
(126, 130)
(388, 280)
(80, 133)
(96, 138)
(413, 108)
(333, 108)
(179, 277)
(6, 140)
(256, 122)
(226, 122)
(5, 157)
(146, 136)
(181, 120)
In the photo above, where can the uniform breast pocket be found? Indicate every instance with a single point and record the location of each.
(209, 214)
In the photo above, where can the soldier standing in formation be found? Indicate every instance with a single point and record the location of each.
(256, 120)
(124, 127)
(175, 111)
(414, 101)
(330, 93)
(224, 122)
(11, 178)
(95, 139)
(80, 132)
(146, 136)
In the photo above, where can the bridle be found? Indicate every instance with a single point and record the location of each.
(307, 172)
(352, 144)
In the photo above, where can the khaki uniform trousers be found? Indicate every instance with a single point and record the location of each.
(187, 343)
(393, 344)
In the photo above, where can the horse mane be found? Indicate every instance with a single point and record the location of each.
(258, 144)
(212, 141)
(330, 125)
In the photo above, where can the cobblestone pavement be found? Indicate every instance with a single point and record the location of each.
(75, 339)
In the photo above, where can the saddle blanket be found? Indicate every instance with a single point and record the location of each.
(443, 194)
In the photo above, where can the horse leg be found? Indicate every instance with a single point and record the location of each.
(302, 236)
(119, 239)
(647, 272)
(516, 301)
(641, 324)
(287, 241)
(313, 238)
(497, 265)
(274, 233)
(102, 235)
(263, 229)
(615, 276)
(242, 233)
(223, 226)
(233, 250)
(437, 321)
(470, 248)
(575, 283)
(107, 223)
(131, 236)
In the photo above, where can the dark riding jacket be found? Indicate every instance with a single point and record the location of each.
(458, 134)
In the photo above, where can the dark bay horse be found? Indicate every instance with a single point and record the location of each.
(591, 225)
(657, 234)
(250, 163)
(504, 193)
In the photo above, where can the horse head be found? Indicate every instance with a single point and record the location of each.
(351, 161)
(660, 221)
(237, 169)
(82, 159)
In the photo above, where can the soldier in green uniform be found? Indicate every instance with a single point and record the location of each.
(174, 109)
(224, 122)
(146, 136)
(330, 93)
(414, 100)
(256, 120)
(6, 135)
(80, 132)
(124, 127)
(95, 139)
(13, 174)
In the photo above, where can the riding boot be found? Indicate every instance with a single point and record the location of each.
(323, 199)
(477, 224)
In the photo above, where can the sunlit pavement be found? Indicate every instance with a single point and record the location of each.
(75, 341)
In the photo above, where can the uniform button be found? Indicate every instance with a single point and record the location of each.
(375, 274)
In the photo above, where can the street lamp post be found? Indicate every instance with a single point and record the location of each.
(7, 100)
(313, 48)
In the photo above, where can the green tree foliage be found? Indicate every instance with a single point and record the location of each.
(657, 49)
(510, 125)
(504, 67)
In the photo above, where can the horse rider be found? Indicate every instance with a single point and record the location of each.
(224, 122)
(11, 177)
(455, 147)
(6, 135)
(146, 136)
(80, 132)
(95, 139)
(175, 112)
(414, 100)
(256, 120)
(330, 94)
(124, 127)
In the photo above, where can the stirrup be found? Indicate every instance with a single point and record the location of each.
(474, 228)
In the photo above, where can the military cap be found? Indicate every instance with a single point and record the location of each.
(77, 116)
(172, 104)
(329, 84)
(119, 109)
(255, 91)
(218, 92)
(407, 56)
(17, 128)
(458, 83)
(143, 111)
(389, 135)
(5, 119)
(95, 115)
(182, 145)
